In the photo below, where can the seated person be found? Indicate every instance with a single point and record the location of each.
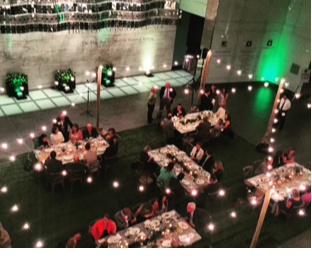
(217, 128)
(168, 128)
(227, 121)
(124, 218)
(213, 186)
(89, 155)
(149, 163)
(52, 164)
(278, 159)
(160, 206)
(75, 134)
(289, 156)
(102, 228)
(306, 197)
(56, 136)
(207, 161)
(5, 240)
(166, 173)
(291, 201)
(179, 111)
(203, 130)
(42, 142)
(263, 167)
(144, 212)
(112, 140)
(218, 171)
(70, 243)
(221, 112)
(90, 132)
(197, 152)
(76, 165)
(176, 187)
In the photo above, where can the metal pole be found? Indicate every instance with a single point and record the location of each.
(98, 94)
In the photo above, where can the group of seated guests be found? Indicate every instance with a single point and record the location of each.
(281, 158)
(294, 200)
(90, 156)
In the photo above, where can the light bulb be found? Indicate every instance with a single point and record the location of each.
(233, 214)
(26, 226)
(127, 68)
(39, 244)
(233, 90)
(218, 60)
(14, 208)
(164, 65)
(73, 104)
(228, 67)
(211, 227)
(239, 72)
(89, 180)
(4, 145)
(249, 88)
(221, 193)
(194, 193)
(141, 188)
(186, 91)
(115, 184)
(4, 189)
(250, 76)
(44, 128)
(12, 158)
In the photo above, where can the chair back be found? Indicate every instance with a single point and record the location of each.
(257, 163)
(94, 166)
(248, 171)
(77, 174)
(118, 138)
(56, 177)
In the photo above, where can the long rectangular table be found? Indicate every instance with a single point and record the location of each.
(180, 230)
(195, 176)
(190, 121)
(65, 152)
(284, 180)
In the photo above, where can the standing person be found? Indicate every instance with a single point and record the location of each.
(197, 152)
(203, 130)
(62, 124)
(205, 102)
(223, 96)
(284, 106)
(212, 96)
(151, 101)
(166, 95)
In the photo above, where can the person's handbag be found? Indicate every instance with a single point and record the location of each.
(5, 240)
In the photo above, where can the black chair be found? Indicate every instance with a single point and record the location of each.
(109, 162)
(76, 175)
(56, 178)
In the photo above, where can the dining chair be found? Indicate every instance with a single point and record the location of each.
(76, 175)
(95, 166)
(293, 211)
(257, 163)
(56, 178)
(248, 171)
(109, 162)
(144, 179)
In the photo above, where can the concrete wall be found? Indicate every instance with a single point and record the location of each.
(39, 54)
(196, 7)
(286, 22)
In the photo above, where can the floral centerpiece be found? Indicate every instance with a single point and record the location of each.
(17, 85)
(65, 80)
(108, 75)
(189, 121)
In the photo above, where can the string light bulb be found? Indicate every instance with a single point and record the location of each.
(4, 189)
(20, 140)
(26, 226)
(233, 214)
(233, 90)
(218, 60)
(12, 158)
(14, 208)
(221, 193)
(228, 67)
(141, 188)
(186, 91)
(211, 227)
(4, 145)
(39, 244)
(115, 184)
(250, 76)
(239, 72)
(89, 180)
(194, 193)
(44, 128)
(249, 88)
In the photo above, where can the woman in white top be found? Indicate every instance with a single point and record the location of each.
(197, 152)
(56, 136)
(221, 113)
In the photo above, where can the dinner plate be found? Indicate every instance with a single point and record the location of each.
(134, 231)
(185, 181)
(166, 215)
(113, 239)
(48, 150)
(183, 225)
(200, 181)
(68, 157)
(101, 149)
(186, 238)
(166, 243)
(155, 223)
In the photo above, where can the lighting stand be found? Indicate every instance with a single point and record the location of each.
(88, 111)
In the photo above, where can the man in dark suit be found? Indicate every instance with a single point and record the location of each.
(62, 124)
(207, 162)
(168, 128)
(90, 132)
(177, 189)
(112, 140)
(179, 111)
(166, 95)
(52, 164)
(124, 218)
(205, 101)
(203, 130)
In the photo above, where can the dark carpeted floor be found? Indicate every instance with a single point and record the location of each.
(54, 218)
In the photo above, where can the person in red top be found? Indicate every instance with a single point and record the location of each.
(103, 228)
